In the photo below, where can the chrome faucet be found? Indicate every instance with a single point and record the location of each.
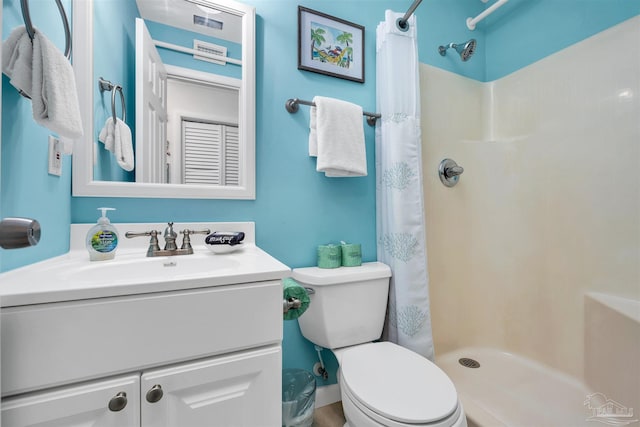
(170, 236)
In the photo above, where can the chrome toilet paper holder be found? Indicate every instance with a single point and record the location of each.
(294, 303)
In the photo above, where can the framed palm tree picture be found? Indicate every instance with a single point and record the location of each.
(330, 45)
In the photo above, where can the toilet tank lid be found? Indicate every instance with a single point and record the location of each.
(331, 276)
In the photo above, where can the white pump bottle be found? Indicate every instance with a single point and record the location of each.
(102, 238)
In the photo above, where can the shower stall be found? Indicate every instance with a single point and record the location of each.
(534, 255)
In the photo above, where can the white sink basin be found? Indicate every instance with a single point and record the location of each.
(72, 276)
(136, 268)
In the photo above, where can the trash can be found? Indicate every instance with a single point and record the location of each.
(298, 397)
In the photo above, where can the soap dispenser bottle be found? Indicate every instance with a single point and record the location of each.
(102, 238)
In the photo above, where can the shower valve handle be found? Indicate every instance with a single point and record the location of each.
(449, 172)
(453, 171)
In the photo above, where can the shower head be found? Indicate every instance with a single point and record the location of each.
(465, 49)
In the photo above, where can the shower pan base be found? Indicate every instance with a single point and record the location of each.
(510, 390)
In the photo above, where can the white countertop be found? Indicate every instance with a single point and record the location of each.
(73, 277)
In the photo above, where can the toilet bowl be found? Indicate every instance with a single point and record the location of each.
(381, 383)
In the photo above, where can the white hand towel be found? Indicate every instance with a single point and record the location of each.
(313, 133)
(341, 150)
(54, 99)
(17, 56)
(106, 134)
(123, 146)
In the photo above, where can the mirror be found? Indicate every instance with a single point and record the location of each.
(202, 97)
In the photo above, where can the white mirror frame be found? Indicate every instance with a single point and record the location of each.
(83, 181)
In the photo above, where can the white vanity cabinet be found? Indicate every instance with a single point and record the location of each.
(234, 390)
(189, 358)
(185, 341)
(83, 405)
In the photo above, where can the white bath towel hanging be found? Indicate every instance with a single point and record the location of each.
(123, 146)
(53, 97)
(17, 58)
(106, 134)
(313, 133)
(340, 136)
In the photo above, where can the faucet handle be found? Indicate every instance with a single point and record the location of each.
(186, 240)
(152, 233)
(153, 242)
(205, 231)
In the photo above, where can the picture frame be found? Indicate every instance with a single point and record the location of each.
(330, 46)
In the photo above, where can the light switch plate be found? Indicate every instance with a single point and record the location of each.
(55, 156)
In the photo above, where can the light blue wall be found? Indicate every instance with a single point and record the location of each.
(26, 188)
(296, 208)
(524, 31)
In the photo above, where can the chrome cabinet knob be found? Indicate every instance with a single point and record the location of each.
(118, 402)
(155, 394)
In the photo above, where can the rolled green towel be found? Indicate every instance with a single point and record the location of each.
(292, 289)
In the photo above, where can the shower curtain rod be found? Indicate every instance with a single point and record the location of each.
(402, 22)
(471, 22)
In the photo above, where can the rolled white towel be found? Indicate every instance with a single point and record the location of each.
(17, 58)
(53, 97)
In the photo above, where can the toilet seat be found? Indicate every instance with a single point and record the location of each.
(397, 387)
(361, 415)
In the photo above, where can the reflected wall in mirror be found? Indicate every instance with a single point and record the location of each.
(192, 119)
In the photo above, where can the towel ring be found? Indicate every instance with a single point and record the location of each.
(106, 85)
(118, 88)
(24, 4)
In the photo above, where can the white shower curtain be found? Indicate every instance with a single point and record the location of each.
(399, 197)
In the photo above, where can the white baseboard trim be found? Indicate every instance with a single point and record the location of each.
(326, 395)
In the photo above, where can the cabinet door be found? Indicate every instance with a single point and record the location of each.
(78, 406)
(242, 389)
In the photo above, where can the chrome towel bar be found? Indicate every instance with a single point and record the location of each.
(293, 105)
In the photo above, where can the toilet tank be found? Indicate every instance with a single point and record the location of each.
(348, 304)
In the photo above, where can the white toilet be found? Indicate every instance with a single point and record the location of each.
(381, 383)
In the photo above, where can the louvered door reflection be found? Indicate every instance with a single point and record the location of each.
(211, 153)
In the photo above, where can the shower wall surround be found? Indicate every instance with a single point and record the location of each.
(548, 207)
